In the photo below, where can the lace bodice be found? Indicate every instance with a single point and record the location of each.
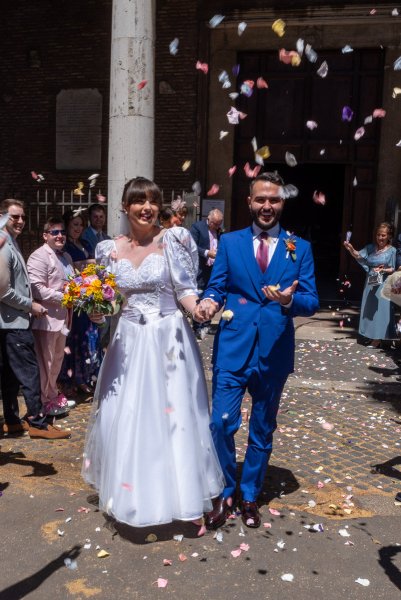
(154, 288)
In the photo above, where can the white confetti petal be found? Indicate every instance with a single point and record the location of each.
(364, 582)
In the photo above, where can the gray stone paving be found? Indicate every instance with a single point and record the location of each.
(319, 475)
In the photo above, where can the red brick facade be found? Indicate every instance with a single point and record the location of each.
(71, 41)
(176, 112)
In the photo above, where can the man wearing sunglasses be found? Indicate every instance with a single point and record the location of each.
(19, 367)
(48, 268)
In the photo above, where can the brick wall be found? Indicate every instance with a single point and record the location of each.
(176, 113)
(72, 39)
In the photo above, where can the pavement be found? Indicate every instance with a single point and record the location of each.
(330, 524)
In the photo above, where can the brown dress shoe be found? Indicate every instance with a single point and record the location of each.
(218, 516)
(50, 432)
(15, 428)
(250, 514)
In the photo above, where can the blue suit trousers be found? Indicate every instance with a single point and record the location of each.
(228, 390)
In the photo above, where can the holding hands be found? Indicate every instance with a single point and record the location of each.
(205, 310)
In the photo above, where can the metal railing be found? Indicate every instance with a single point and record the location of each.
(49, 203)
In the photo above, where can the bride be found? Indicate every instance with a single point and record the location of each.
(149, 450)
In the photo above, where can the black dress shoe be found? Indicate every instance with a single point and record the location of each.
(250, 514)
(218, 516)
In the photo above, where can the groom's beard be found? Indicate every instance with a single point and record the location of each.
(270, 220)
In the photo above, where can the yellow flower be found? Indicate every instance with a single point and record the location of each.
(89, 270)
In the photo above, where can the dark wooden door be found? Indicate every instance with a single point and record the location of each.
(327, 155)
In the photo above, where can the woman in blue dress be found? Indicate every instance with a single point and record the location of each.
(377, 320)
(81, 364)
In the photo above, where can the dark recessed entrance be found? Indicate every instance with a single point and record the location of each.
(329, 158)
(320, 225)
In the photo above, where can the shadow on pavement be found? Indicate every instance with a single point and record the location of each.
(277, 481)
(387, 468)
(24, 587)
(18, 458)
(138, 535)
(386, 556)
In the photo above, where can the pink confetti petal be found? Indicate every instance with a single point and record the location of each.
(59, 509)
(232, 170)
(379, 113)
(162, 583)
(289, 57)
(251, 173)
(236, 553)
(267, 525)
(142, 84)
(100, 198)
(213, 190)
(320, 485)
(83, 509)
(261, 83)
(167, 562)
(274, 512)
(360, 132)
(319, 198)
(182, 557)
(244, 547)
(127, 486)
(204, 67)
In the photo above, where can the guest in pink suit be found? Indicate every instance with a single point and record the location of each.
(48, 269)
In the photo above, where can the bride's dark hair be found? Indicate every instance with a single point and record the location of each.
(141, 188)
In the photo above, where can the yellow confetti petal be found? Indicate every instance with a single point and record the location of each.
(263, 152)
(396, 92)
(103, 554)
(186, 165)
(295, 60)
(279, 27)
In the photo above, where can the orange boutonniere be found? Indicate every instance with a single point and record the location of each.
(291, 244)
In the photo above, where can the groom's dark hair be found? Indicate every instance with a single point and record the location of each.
(272, 177)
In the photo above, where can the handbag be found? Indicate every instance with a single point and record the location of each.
(375, 279)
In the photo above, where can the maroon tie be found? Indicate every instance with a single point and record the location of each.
(262, 253)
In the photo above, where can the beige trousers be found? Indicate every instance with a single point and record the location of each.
(49, 347)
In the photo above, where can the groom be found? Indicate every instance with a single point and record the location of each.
(264, 277)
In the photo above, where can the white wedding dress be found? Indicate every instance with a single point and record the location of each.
(149, 450)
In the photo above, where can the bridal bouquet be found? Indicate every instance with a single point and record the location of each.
(94, 290)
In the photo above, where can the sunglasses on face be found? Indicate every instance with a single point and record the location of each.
(17, 217)
(55, 232)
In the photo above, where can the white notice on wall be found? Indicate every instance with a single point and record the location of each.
(209, 204)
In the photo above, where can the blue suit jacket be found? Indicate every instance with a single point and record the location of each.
(237, 280)
(91, 238)
(200, 233)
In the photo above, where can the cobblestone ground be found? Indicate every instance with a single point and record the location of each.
(340, 414)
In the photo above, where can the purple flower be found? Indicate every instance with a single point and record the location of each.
(108, 292)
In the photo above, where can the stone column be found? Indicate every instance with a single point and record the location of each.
(131, 135)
